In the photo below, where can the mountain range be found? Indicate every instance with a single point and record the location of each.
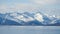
(29, 18)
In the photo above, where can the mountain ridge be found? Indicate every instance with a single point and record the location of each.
(27, 18)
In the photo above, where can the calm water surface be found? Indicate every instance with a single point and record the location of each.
(29, 29)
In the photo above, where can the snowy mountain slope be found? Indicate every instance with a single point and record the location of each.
(28, 18)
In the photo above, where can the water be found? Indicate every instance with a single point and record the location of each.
(29, 29)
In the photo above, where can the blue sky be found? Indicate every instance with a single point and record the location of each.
(53, 6)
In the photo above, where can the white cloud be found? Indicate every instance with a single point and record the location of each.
(43, 2)
(17, 7)
(32, 6)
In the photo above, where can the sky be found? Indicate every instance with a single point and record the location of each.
(50, 7)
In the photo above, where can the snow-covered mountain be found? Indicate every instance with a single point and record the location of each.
(28, 18)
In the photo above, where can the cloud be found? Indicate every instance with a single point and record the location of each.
(19, 7)
(44, 2)
(30, 6)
